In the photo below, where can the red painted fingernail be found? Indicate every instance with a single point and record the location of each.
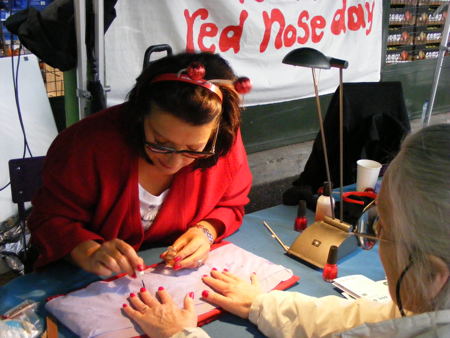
(132, 295)
(191, 294)
(140, 267)
(177, 266)
(133, 275)
(161, 288)
(214, 269)
(205, 276)
(177, 259)
(143, 289)
(162, 255)
(124, 305)
(225, 270)
(205, 293)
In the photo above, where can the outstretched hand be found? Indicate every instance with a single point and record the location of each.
(233, 294)
(160, 318)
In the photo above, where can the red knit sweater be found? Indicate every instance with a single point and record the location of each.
(90, 191)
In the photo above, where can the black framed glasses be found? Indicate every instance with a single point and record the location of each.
(159, 149)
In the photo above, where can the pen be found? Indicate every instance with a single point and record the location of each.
(274, 235)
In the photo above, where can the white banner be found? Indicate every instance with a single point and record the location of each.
(254, 36)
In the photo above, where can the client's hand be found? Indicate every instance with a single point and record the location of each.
(161, 318)
(191, 249)
(234, 294)
(107, 258)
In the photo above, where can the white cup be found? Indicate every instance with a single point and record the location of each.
(367, 174)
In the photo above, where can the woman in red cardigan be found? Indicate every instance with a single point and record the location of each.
(166, 167)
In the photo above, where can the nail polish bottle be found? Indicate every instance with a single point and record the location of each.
(301, 221)
(330, 270)
(324, 203)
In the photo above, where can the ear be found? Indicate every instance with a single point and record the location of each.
(440, 275)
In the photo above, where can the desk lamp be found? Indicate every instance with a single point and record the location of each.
(314, 243)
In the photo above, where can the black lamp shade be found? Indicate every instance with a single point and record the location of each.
(312, 58)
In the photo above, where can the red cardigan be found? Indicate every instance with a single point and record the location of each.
(90, 191)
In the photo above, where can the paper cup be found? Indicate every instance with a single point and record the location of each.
(367, 174)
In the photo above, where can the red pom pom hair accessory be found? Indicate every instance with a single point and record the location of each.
(243, 85)
(195, 74)
(196, 71)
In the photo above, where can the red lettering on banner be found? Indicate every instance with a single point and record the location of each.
(289, 35)
(190, 20)
(369, 16)
(277, 16)
(352, 17)
(211, 37)
(317, 22)
(356, 18)
(230, 36)
(234, 41)
(303, 25)
(207, 30)
(338, 22)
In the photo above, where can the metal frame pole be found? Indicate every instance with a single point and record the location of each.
(322, 135)
(437, 72)
(341, 145)
(80, 29)
(99, 10)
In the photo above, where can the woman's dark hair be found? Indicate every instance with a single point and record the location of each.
(191, 103)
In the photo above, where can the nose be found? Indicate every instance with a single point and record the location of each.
(175, 160)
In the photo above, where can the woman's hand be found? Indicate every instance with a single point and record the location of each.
(191, 249)
(233, 294)
(161, 318)
(107, 258)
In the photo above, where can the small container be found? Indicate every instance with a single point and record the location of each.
(324, 203)
(301, 222)
(330, 270)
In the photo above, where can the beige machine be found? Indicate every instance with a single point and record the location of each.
(314, 243)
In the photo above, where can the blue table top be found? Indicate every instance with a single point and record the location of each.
(62, 277)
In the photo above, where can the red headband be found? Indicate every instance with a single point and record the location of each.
(194, 74)
(185, 78)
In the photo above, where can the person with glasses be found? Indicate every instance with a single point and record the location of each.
(167, 167)
(411, 222)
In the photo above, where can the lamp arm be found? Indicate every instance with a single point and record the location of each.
(338, 63)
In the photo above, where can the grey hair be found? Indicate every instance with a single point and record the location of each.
(417, 187)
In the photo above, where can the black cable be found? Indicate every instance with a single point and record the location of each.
(16, 95)
(5, 186)
(15, 79)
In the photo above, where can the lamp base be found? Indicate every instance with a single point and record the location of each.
(313, 244)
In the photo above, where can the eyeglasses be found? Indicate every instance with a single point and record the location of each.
(159, 149)
(368, 228)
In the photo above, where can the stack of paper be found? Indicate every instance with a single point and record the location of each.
(359, 286)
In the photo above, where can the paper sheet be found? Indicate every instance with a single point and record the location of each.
(359, 286)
